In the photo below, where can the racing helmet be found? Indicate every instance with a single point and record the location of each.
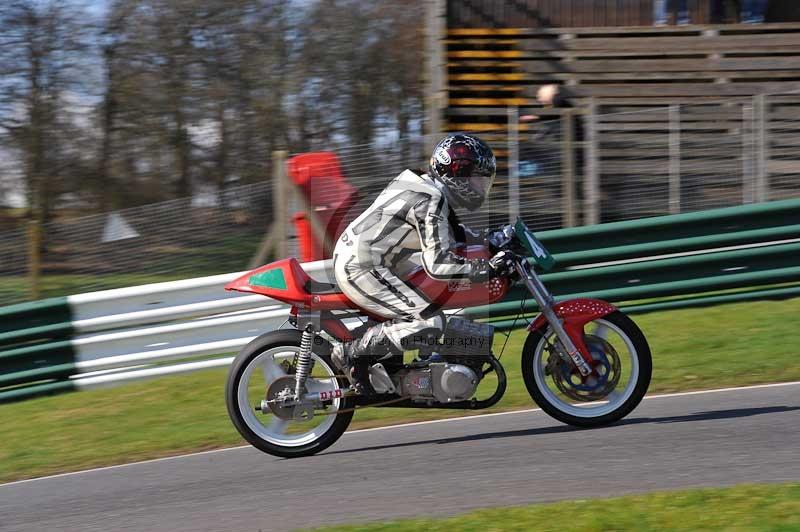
(466, 166)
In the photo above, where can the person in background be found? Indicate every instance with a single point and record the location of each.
(660, 12)
(663, 9)
(550, 96)
(748, 11)
(539, 155)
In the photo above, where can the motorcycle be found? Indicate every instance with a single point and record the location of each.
(584, 362)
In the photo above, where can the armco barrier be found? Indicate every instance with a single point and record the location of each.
(115, 336)
(135, 327)
(685, 254)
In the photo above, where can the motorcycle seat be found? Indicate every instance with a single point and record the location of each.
(318, 287)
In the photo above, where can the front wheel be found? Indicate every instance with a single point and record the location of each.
(622, 365)
(269, 362)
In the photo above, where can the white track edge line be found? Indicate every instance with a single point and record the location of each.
(402, 425)
(716, 390)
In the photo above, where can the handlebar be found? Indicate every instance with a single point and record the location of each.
(505, 239)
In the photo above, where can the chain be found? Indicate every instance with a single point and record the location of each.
(346, 410)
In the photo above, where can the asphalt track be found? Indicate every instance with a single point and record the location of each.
(680, 441)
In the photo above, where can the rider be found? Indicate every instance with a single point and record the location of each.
(412, 214)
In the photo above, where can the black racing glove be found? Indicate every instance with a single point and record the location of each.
(480, 270)
(499, 265)
(502, 263)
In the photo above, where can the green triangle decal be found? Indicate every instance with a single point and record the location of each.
(269, 279)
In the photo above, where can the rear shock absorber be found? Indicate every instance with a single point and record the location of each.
(303, 366)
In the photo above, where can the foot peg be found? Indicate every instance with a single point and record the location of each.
(380, 380)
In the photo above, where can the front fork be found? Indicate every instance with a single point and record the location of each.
(546, 302)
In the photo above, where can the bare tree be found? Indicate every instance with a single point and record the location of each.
(40, 56)
(113, 36)
(364, 69)
(246, 57)
(191, 92)
(402, 42)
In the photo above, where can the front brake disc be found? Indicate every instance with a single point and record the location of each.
(605, 358)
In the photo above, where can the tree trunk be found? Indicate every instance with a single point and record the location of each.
(181, 147)
(105, 185)
(37, 187)
(222, 153)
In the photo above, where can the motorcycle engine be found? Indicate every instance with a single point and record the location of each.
(463, 349)
(441, 381)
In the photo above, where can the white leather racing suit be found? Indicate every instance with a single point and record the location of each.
(409, 216)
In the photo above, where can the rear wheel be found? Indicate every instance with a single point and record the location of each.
(266, 367)
(622, 364)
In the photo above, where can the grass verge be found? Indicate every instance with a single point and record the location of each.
(729, 345)
(748, 507)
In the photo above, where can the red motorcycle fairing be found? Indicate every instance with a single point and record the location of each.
(285, 280)
(458, 293)
(575, 314)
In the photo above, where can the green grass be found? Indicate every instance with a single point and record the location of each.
(748, 507)
(729, 345)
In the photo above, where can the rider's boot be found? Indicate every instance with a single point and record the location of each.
(350, 357)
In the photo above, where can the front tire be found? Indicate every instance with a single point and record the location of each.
(623, 378)
(271, 355)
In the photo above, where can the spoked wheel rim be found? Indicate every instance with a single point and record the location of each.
(604, 333)
(265, 369)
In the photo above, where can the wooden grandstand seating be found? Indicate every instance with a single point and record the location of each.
(630, 76)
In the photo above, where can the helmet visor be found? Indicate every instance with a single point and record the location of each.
(481, 184)
(478, 178)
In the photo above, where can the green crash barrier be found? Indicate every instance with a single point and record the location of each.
(30, 357)
(54, 371)
(45, 319)
(680, 245)
(44, 332)
(721, 264)
(676, 226)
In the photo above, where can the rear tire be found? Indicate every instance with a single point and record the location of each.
(247, 421)
(619, 405)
